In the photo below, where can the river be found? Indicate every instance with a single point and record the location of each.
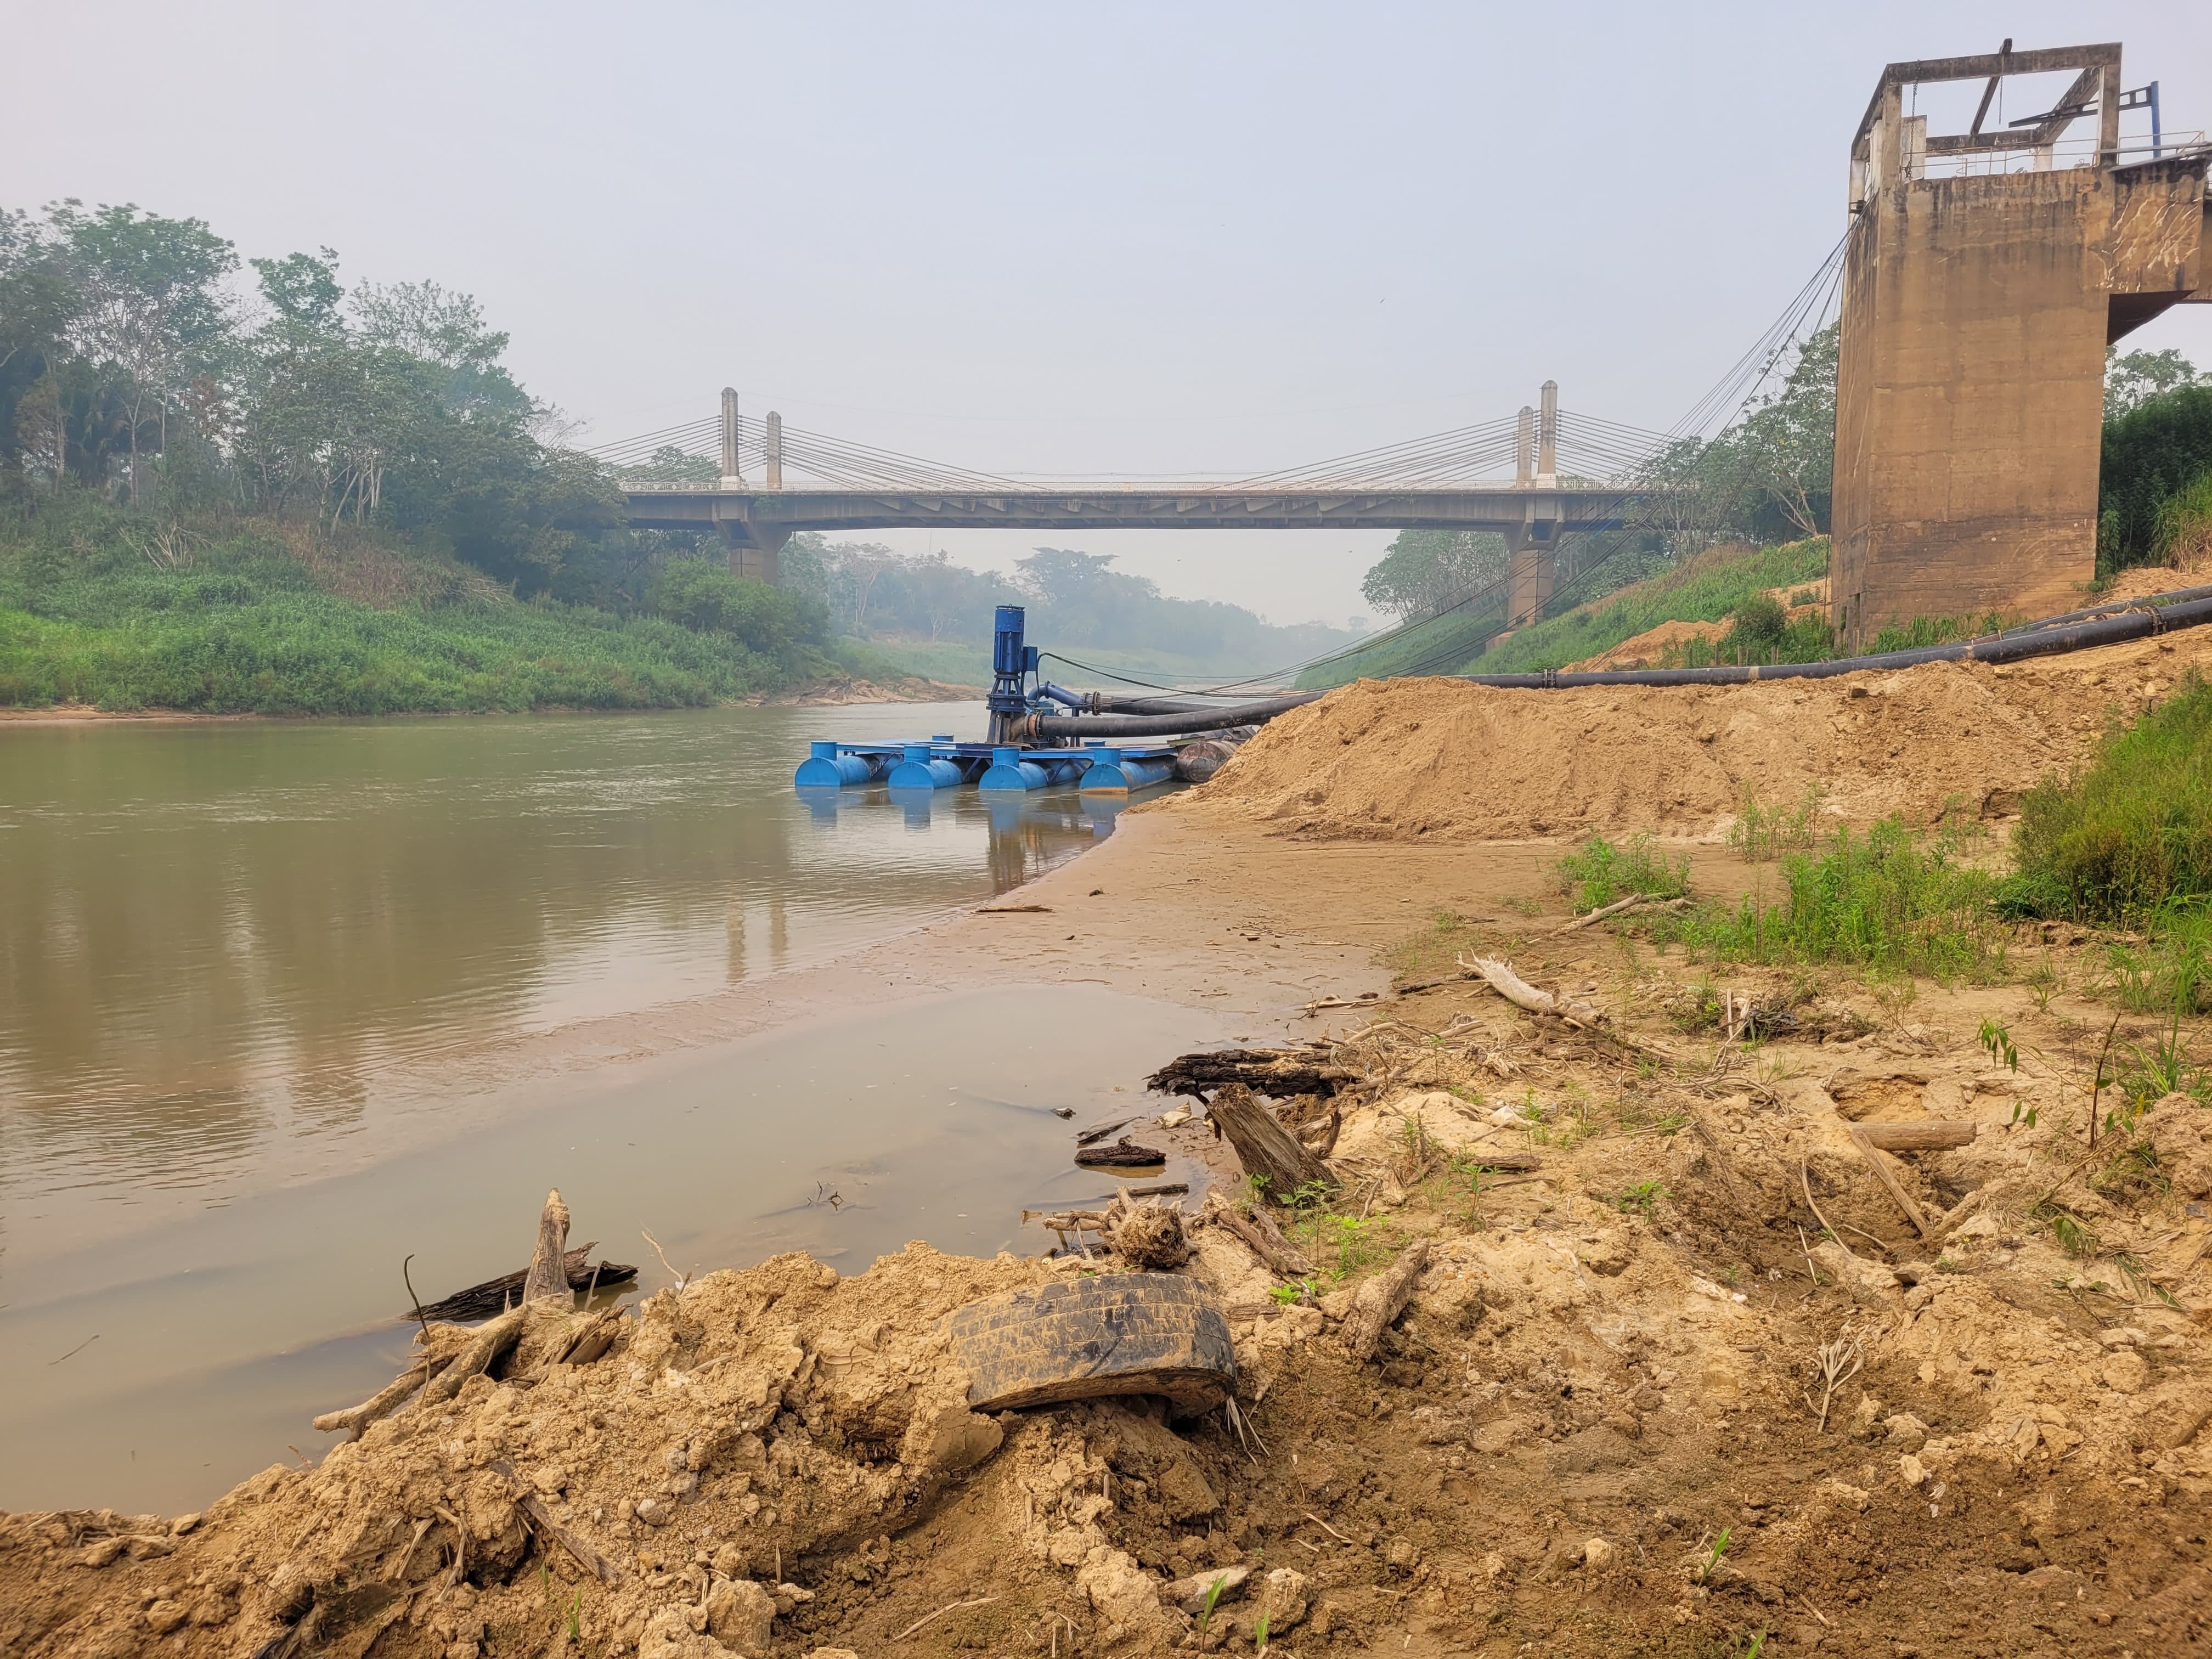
(268, 990)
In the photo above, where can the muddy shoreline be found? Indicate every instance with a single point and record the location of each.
(1637, 1402)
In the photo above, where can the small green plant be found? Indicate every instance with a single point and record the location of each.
(1212, 1595)
(1641, 1198)
(1259, 1636)
(1997, 1041)
(1711, 1562)
(1944, 1264)
(2020, 1117)
(2073, 1237)
(1602, 873)
(1285, 1295)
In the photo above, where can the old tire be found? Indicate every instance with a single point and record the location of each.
(1083, 1338)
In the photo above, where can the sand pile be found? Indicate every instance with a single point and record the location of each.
(1645, 650)
(1444, 759)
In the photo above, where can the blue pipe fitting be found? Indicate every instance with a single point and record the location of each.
(1112, 772)
(826, 766)
(920, 768)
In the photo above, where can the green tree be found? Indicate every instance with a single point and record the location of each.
(38, 301)
(2132, 379)
(150, 314)
(1425, 570)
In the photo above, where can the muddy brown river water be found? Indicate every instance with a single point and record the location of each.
(262, 990)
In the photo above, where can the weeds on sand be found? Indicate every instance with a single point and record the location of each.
(2129, 834)
(1602, 873)
(1640, 1198)
(1888, 902)
(1763, 834)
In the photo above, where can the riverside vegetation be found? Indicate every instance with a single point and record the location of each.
(259, 490)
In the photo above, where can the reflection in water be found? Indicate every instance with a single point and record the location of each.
(226, 949)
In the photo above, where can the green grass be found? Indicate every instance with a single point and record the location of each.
(238, 624)
(1886, 902)
(1708, 589)
(2128, 837)
(1601, 873)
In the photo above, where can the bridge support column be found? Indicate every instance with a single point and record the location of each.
(756, 550)
(1530, 574)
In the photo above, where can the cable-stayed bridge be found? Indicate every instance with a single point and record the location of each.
(1536, 477)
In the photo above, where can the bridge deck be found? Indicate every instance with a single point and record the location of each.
(778, 512)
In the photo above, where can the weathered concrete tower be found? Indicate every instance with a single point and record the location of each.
(1986, 272)
(1533, 547)
(755, 550)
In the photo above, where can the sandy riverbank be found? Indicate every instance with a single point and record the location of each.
(1601, 1427)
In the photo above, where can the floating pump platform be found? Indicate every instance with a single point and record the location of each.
(1021, 754)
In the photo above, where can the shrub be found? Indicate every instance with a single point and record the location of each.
(1601, 873)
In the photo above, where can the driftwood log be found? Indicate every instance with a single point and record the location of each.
(1123, 1154)
(452, 1355)
(497, 1295)
(1279, 1072)
(1381, 1300)
(1932, 1135)
(1267, 1151)
(1522, 995)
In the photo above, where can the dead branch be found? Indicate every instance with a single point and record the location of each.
(1381, 1299)
(931, 1619)
(1835, 1363)
(1264, 1240)
(1522, 995)
(1933, 1135)
(1275, 1072)
(1804, 1182)
(1612, 909)
(492, 1338)
(496, 1295)
(1889, 1181)
(385, 1402)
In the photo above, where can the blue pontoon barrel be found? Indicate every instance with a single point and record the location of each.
(1112, 772)
(824, 766)
(923, 768)
(1014, 769)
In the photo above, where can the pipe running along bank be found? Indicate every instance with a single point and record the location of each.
(2051, 636)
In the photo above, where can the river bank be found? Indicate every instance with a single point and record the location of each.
(1638, 1402)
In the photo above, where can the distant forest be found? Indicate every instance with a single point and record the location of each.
(1075, 599)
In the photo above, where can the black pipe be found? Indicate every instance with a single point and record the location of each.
(2041, 641)
(2052, 636)
(1161, 725)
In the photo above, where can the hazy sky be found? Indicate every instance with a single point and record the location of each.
(1128, 239)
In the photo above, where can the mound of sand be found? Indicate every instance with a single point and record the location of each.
(1644, 650)
(1448, 760)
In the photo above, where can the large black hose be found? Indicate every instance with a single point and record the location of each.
(2038, 641)
(2051, 636)
(1160, 725)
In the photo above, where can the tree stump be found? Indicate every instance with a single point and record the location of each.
(1267, 1151)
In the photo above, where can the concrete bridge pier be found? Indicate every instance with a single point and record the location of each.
(1532, 546)
(755, 550)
